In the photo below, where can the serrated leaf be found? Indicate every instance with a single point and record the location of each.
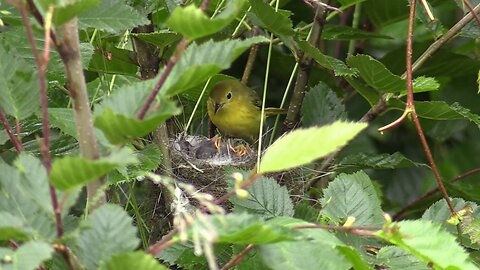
(242, 229)
(378, 161)
(70, 172)
(376, 74)
(303, 146)
(30, 255)
(133, 260)
(19, 91)
(352, 195)
(199, 62)
(423, 84)
(62, 118)
(321, 106)
(302, 255)
(328, 62)
(398, 259)
(109, 232)
(160, 39)
(363, 89)
(117, 114)
(111, 16)
(67, 12)
(266, 198)
(274, 21)
(198, 23)
(428, 242)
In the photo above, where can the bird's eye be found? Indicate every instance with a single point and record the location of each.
(229, 95)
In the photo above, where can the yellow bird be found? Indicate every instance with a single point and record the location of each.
(235, 110)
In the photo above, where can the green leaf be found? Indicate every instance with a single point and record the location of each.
(352, 195)
(423, 84)
(378, 161)
(321, 106)
(342, 32)
(376, 74)
(70, 172)
(198, 23)
(133, 260)
(303, 146)
(199, 62)
(428, 242)
(160, 39)
(268, 18)
(109, 231)
(117, 115)
(266, 198)
(19, 90)
(62, 118)
(241, 229)
(12, 227)
(63, 14)
(398, 259)
(382, 12)
(302, 255)
(25, 195)
(328, 62)
(30, 255)
(363, 89)
(111, 16)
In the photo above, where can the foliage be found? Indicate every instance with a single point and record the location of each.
(319, 195)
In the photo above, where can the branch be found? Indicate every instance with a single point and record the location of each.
(165, 242)
(305, 64)
(472, 11)
(238, 259)
(42, 65)
(432, 192)
(251, 60)
(69, 50)
(16, 142)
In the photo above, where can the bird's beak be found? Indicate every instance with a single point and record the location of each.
(218, 106)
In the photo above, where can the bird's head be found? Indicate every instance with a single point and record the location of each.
(222, 94)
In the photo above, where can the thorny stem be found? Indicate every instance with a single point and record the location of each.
(432, 192)
(16, 142)
(305, 67)
(42, 67)
(238, 259)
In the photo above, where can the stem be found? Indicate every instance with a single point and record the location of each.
(355, 23)
(69, 50)
(305, 67)
(16, 142)
(472, 11)
(431, 193)
(244, 185)
(165, 242)
(251, 60)
(42, 68)
(361, 231)
(238, 259)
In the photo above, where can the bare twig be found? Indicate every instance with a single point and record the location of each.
(251, 60)
(16, 142)
(432, 192)
(42, 68)
(472, 11)
(305, 64)
(165, 242)
(238, 259)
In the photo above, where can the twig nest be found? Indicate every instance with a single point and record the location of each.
(197, 161)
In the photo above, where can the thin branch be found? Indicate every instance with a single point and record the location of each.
(251, 59)
(244, 185)
(238, 259)
(165, 242)
(45, 146)
(69, 50)
(432, 192)
(305, 64)
(472, 11)
(16, 142)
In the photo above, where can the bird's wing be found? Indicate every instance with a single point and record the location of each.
(253, 96)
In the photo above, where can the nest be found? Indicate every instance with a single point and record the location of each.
(198, 162)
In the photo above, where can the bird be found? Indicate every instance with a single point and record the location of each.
(235, 109)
